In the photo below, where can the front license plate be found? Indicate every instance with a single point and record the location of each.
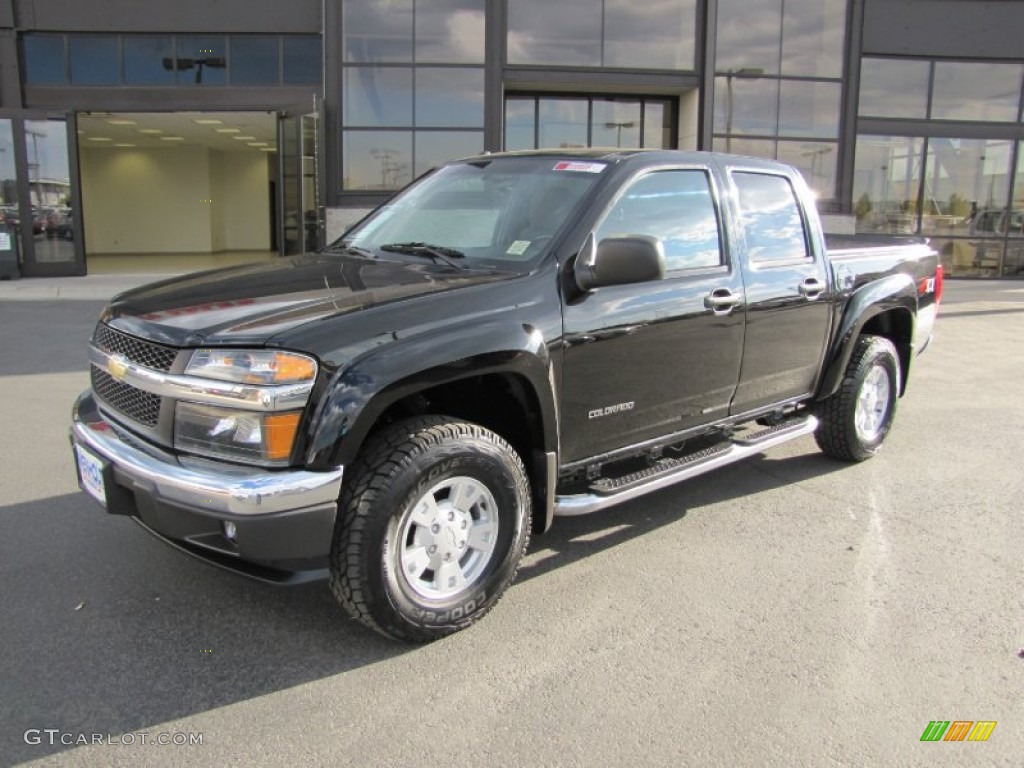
(90, 475)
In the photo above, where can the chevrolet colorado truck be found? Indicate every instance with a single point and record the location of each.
(511, 338)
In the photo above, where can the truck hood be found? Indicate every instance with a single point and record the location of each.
(252, 304)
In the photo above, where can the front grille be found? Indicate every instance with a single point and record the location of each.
(144, 353)
(137, 405)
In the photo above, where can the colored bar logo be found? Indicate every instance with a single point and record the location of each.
(958, 730)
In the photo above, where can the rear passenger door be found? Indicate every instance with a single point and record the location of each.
(649, 359)
(786, 283)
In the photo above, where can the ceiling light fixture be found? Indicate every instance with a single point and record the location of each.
(172, 138)
(244, 138)
(99, 138)
(150, 130)
(207, 121)
(122, 121)
(228, 130)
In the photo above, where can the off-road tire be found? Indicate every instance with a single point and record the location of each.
(396, 472)
(838, 434)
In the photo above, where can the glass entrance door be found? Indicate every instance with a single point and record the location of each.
(302, 217)
(38, 198)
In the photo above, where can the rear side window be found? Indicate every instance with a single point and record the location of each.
(677, 208)
(772, 225)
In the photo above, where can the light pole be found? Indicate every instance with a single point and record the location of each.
(729, 75)
(618, 129)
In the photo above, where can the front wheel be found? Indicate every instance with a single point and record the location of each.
(431, 528)
(855, 421)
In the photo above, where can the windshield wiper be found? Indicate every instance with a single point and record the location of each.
(343, 248)
(436, 252)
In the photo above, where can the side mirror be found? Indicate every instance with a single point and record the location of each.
(618, 261)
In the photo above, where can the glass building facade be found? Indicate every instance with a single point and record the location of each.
(905, 117)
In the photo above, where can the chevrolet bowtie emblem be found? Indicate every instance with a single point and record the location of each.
(117, 366)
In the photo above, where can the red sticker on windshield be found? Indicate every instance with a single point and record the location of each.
(572, 165)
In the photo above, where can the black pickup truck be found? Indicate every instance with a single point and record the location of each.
(511, 338)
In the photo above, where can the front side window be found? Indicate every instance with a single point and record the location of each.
(677, 208)
(772, 225)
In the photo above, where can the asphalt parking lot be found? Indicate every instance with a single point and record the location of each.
(788, 610)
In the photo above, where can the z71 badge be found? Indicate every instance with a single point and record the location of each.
(597, 413)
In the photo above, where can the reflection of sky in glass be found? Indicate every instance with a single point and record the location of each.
(254, 60)
(94, 60)
(377, 30)
(144, 60)
(376, 159)
(748, 35)
(562, 123)
(450, 31)
(377, 96)
(44, 59)
(449, 97)
(812, 37)
(520, 115)
(891, 88)
(615, 123)
(656, 34)
(546, 32)
(748, 106)
(47, 147)
(772, 226)
(436, 147)
(8, 175)
(975, 91)
(809, 109)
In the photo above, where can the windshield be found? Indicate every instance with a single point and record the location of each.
(500, 212)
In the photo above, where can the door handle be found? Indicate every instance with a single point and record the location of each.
(721, 301)
(812, 288)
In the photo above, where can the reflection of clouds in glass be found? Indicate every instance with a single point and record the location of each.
(377, 30)
(976, 91)
(809, 109)
(659, 34)
(747, 106)
(772, 226)
(47, 147)
(812, 37)
(435, 147)
(449, 97)
(7, 170)
(450, 31)
(748, 35)
(375, 96)
(562, 123)
(891, 88)
(545, 32)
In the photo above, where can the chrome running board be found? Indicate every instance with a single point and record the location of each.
(607, 493)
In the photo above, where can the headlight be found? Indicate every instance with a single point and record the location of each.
(229, 433)
(252, 366)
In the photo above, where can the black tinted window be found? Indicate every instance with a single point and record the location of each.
(772, 225)
(677, 208)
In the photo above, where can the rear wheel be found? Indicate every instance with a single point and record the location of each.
(431, 528)
(855, 421)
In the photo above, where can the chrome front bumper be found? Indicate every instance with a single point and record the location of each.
(213, 487)
(256, 521)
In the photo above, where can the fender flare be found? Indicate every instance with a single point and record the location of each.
(894, 293)
(362, 390)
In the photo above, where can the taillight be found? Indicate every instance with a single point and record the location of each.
(931, 285)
